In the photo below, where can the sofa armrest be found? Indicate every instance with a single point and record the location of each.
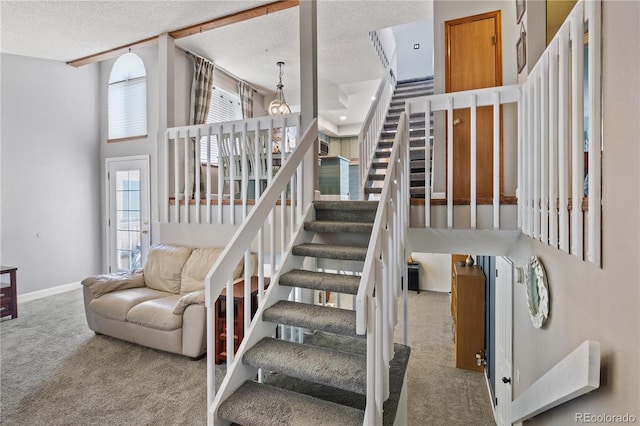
(107, 283)
(194, 298)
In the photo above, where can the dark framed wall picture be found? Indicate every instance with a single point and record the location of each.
(521, 5)
(521, 51)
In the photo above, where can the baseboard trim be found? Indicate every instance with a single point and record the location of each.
(34, 295)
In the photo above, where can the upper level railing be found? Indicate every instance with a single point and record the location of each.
(376, 301)
(377, 44)
(219, 165)
(472, 99)
(560, 143)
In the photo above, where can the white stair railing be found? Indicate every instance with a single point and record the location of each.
(376, 301)
(245, 151)
(268, 232)
(372, 126)
(552, 145)
(472, 99)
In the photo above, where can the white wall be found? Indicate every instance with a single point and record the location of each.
(435, 271)
(586, 301)
(536, 35)
(50, 172)
(414, 63)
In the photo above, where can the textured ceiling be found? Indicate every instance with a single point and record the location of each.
(348, 66)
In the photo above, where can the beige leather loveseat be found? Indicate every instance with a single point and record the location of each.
(161, 305)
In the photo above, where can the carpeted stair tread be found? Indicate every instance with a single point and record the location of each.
(337, 283)
(346, 211)
(316, 390)
(260, 404)
(355, 345)
(329, 367)
(334, 226)
(345, 205)
(397, 370)
(314, 317)
(330, 251)
(417, 176)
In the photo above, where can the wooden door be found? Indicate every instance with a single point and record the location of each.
(473, 60)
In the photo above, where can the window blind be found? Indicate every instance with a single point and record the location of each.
(128, 108)
(224, 106)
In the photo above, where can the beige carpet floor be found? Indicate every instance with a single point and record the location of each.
(55, 371)
(439, 393)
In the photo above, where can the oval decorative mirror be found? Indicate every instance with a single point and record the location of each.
(537, 292)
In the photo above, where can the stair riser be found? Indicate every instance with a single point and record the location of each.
(413, 89)
(340, 283)
(412, 134)
(364, 216)
(312, 317)
(340, 238)
(401, 98)
(331, 227)
(414, 143)
(342, 253)
(413, 155)
(412, 125)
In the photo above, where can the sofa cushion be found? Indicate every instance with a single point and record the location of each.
(163, 268)
(198, 266)
(157, 313)
(117, 304)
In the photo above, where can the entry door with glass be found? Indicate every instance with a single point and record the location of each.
(128, 212)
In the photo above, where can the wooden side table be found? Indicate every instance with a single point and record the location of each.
(220, 317)
(9, 293)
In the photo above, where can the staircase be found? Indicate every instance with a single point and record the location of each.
(319, 377)
(404, 90)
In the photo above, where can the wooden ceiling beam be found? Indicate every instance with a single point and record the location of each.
(112, 53)
(235, 18)
(194, 29)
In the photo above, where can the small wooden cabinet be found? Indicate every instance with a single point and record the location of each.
(220, 315)
(467, 310)
(9, 293)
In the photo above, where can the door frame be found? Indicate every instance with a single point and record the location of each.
(109, 238)
(505, 274)
(447, 44)
(497, 15)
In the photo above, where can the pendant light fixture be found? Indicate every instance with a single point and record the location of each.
(278, 105)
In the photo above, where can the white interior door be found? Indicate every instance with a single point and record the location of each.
(504, 340)
(127, 212)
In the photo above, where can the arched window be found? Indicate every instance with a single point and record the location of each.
(128, 98)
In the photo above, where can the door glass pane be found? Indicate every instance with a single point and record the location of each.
(128, 219)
